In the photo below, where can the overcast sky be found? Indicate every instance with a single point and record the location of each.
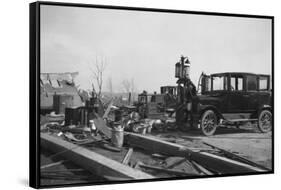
(145, 45)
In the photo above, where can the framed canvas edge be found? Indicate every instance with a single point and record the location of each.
(34, 89)
(34, 119)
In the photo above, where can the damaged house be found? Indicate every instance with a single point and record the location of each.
(58, 91)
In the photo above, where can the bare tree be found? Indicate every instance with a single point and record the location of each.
(97, 71)
(129, 87)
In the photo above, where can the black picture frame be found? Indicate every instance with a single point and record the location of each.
(34, 82)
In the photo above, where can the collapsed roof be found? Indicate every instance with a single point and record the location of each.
(59, 84)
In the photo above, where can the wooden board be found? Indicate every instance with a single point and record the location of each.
(155, 145)
(212, 162)
(91, 161)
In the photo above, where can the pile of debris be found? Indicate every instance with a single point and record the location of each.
(123, 138)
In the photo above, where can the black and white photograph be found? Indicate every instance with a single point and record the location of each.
(139, 94)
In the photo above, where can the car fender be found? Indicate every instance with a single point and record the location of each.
(203, 108)
(265, 107)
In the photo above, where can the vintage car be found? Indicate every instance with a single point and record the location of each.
(154, 106)
(233, 98)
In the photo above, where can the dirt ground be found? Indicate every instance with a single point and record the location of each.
(246, 142)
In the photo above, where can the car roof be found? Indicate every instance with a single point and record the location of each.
(237, 73)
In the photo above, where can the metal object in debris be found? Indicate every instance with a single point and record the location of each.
(93, 127)
(117, 137)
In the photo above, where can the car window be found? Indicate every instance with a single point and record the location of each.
(263, 83)
(251, 83)
(219, 83)
(240, 83)
(206, 84)
(236, 83)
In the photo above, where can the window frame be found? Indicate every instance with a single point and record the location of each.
(225, 89)
(267, 84)
(237, 77)
(246, 82)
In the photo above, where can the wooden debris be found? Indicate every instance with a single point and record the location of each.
(168, 171)
(107, 109)
(137, 165)
(155, 145)
(91, 161)
(102, 127)
(64, 170)
(201, 169)
(127, 157)
(223, 165)
(52, 164)
(114, 178)
(71, 137)
(236, 157)
(212, 162)
(159, 156)
(173, 161)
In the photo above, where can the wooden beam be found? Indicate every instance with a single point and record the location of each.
(155, 145)
(214, 163)
(236, 157)
(127, 157)
(91, 161)
(229, 164)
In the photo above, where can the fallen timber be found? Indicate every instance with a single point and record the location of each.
(214, 163)
(112, 168)
(92, 161)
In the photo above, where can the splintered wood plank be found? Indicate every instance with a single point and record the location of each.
(91, 161)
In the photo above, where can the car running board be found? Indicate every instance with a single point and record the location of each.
(240, 120)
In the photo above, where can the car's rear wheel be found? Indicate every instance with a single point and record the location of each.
(265, 121)
(208, 122)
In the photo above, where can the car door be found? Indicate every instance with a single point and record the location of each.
(237, 97)
(219, 86)
(251, 94)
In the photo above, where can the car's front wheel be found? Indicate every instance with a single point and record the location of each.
(265, 121)
(208, 122)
